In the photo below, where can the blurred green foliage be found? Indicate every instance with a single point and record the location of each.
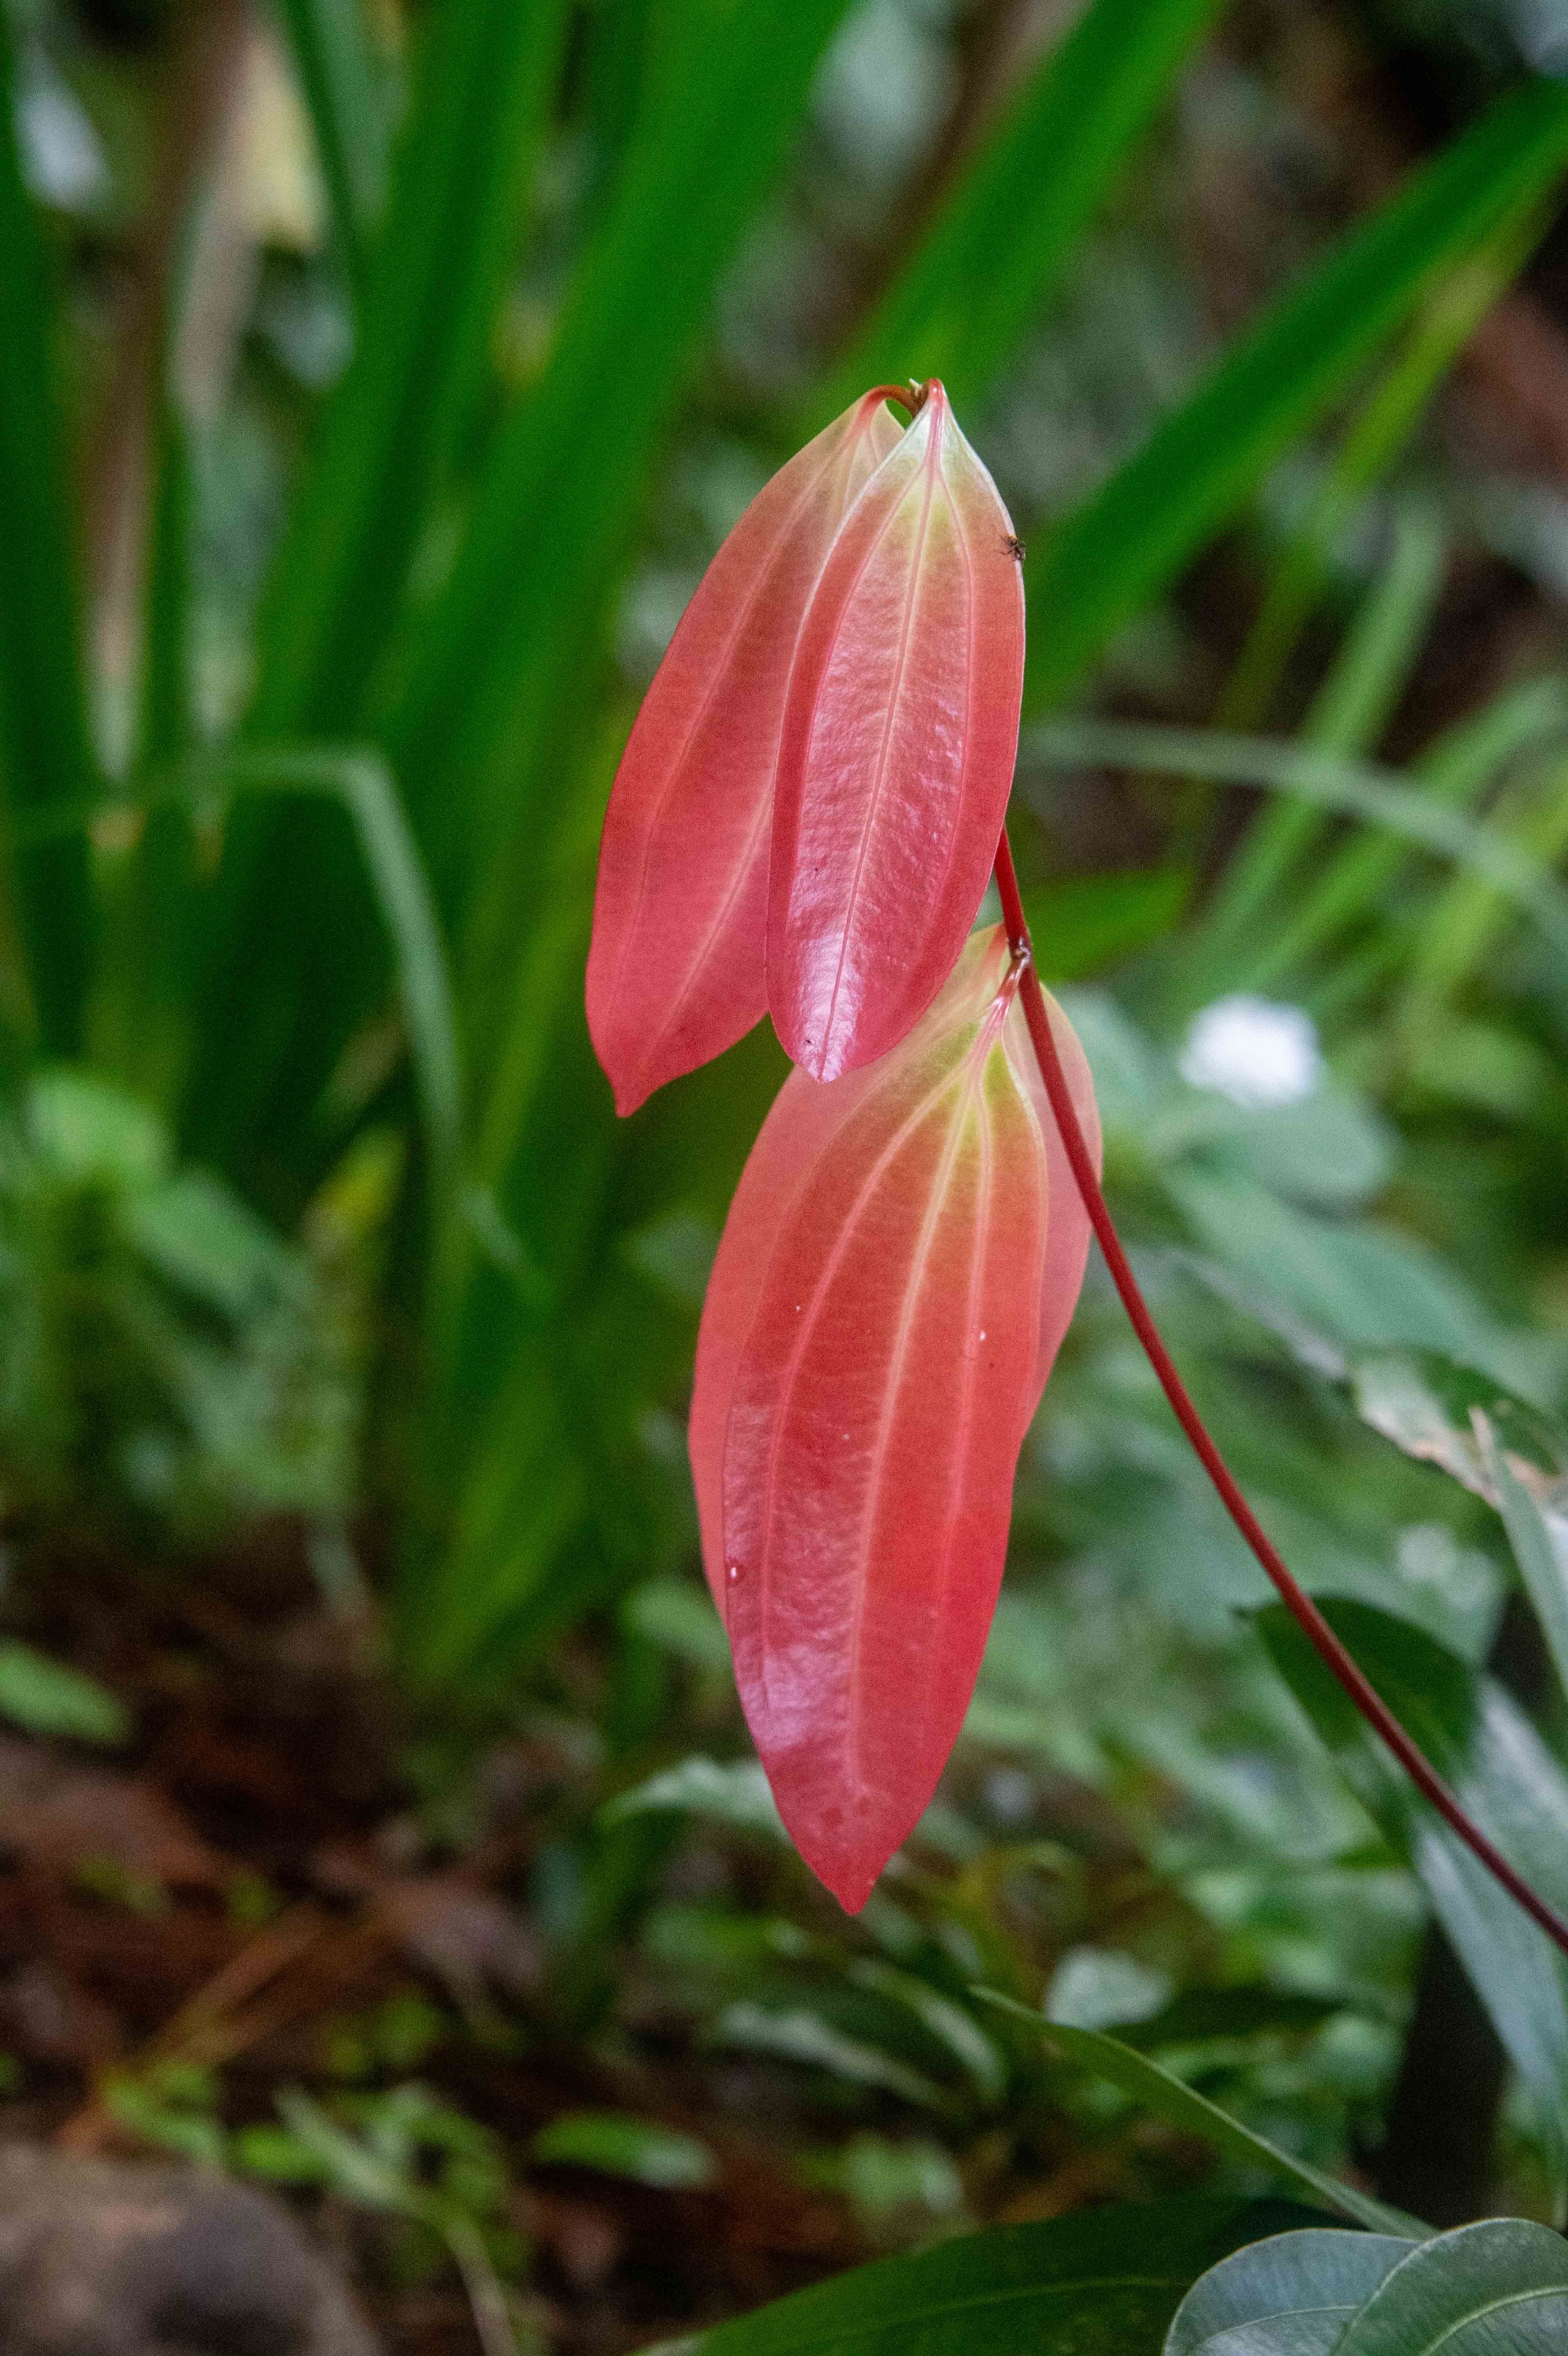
(338, 535)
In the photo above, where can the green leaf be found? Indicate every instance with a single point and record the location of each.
(614, 2144)
(46, 1697)
(460, 178)
(1428, 1404)
(735, 1793)
(348, 113)
(1200, 463)
(554, 512)
(1103, 2284)
(1537, 1533)
(1358, 787)
(1498, 2288)
(1290, 2295)
(798, 2034)
(358, 780)
(1147, 2083)
(1490, 1756)
(1015, 216)
(45, 751)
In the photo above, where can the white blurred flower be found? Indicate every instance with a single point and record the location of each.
(1252, 1051)
(1102, 1988)
(62, 159)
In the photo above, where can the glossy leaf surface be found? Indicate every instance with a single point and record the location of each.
(1289, 2295)
(897, 1269)
(900, 734)
(1498, 2288)
(1100, 2284)
(675, 971)
(1490, 1756)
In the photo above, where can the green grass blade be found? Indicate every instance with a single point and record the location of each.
(553, 518)
(1167, 2095)
(139, 1018)
(1390, 415)
(1016, 217)
(1201, 462)
(1348, 716)
(44, 747)
(1358, 788)
(348, 113)
(1455, 773)
(168, 691)
(460, 178)
(1466, 917)
(357, 779)
(360, 782)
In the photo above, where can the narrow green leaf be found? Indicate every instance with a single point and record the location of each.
(1348, 717)
(1147, 2083)
(1537, 1533)
(1429, 1405)
(348, 113)
(1201, 462)
(1016, 213)
(1491, 1757)
(45, 751)
(1380, 796)
(356, 779)
(1351, 886)
(167, 707)
(1102, 2284)
(460, 177)
(1498, 2288)
(1290, 2295)
(613, 2143)
(554, 513)
(359, 781)
(46, 1697)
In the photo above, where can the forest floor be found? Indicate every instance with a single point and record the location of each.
(244, 1900)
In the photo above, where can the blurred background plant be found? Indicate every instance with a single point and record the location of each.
(375, 382)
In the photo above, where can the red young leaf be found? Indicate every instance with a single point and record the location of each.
(676, 969)
(900, 734)
(897, 1269)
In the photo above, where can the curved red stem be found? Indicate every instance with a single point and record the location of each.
(911, 396)
(1296, 1601)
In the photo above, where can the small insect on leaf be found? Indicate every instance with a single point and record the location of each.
(900, 735)
(675, 968)
(898, 1268)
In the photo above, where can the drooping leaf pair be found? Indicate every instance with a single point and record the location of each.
(810, 801)
(900, 1262)
(804, 820)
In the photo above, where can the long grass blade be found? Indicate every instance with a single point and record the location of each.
(1203, 460)
(1455, 773)
(357, 779)
(1348, 716)
(552, 516)
(1358, 788)
(360, 781)
(44, 747)
(1014, 217)
(460, 177)
(337, 73)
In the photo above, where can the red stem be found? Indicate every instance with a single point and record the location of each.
(1297, 1603)
(911, 396)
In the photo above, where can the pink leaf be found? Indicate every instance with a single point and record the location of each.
(899, 1266)
(676, 969)
(899, 738)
